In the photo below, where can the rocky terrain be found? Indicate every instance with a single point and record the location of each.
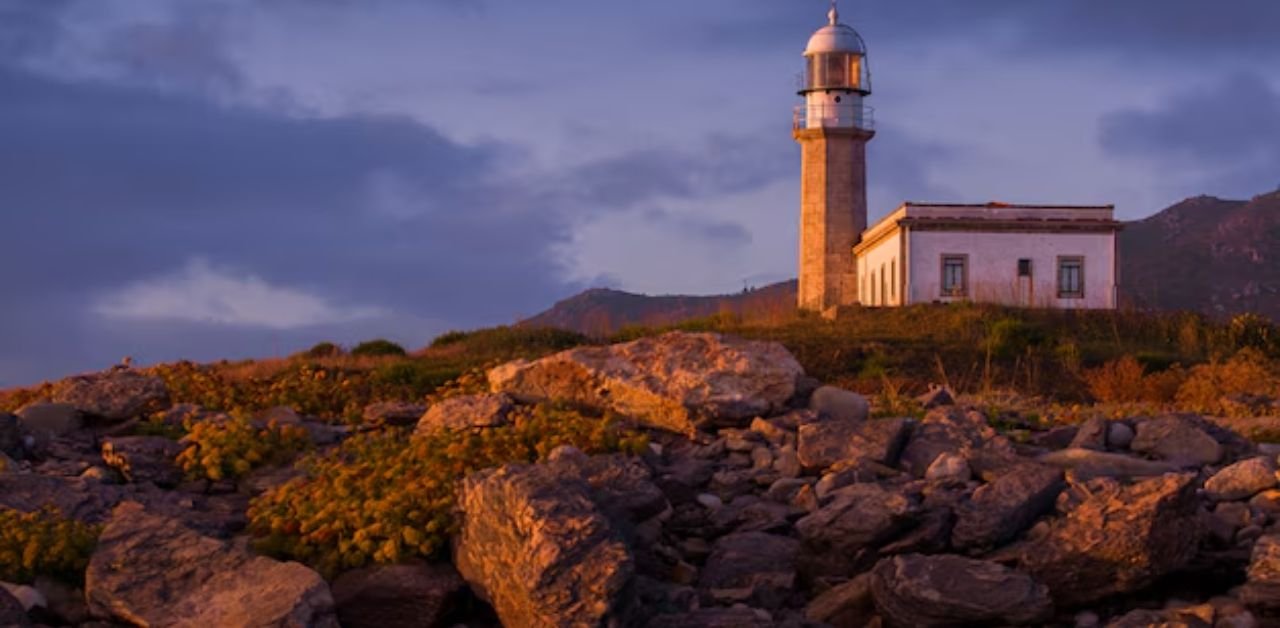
(763, 498)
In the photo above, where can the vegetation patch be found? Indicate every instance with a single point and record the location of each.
(227, 450)
(44, 543)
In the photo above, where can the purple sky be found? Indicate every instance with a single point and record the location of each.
(230, 178)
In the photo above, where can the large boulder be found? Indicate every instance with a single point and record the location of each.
(1243, 479)
(536, 547)
(621, 486)
(825, 443)
(670, 382)
(1086, 464)
(1262, 589)
(467, 412)
(1120, 539)
(837, 404)
(47, 421)
(398, 596)
(750, 567)
(115, 395)
(1180, 439)
(76, 498)
(843, 535)
(151, 570)
(144, 458)
(916, 591)
(1002, 509)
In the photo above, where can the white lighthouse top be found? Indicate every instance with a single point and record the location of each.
(835, 37)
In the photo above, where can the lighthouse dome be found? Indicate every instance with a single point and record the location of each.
(835, 37)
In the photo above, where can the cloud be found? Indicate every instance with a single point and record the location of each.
(1224, 135)
(200, 293)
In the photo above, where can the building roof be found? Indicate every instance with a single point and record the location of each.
(835, 37)
(993, 216)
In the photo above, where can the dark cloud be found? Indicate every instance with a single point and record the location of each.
(1227, 133)
(188, 50)
(29, 26)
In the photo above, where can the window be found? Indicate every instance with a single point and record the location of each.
(1024, 268)
(955, 275)
(1070, 277)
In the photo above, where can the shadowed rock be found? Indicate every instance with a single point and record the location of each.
(144, 458)
(750, 567)
(11, 611)
(841, 535)
(1242, 480)
(668, 382)
(715, 618)
(397, 596)
(1087, 464)
(1118, 540)
(536, 547)
(1001, 510)
(150, 570)
(916, 591)
(837, 404)
(848, 604)
(1178, 439)
(825, 443)
(1262, 589)
(114, 395)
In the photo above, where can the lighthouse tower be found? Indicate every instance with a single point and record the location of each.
(833, 128)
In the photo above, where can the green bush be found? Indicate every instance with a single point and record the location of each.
(1011, 337)
(378, 348)
(44, 543)
(382, 497)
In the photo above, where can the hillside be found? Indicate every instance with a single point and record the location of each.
(1218, 257)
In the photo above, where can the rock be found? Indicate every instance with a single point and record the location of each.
(710, 501)
(46, 421)
(1178, 439)
(837, 404)
(11, 611)
(11, 436)
(841, 535)
(1001, 510)
(1057, 437)
(923, 591)
(949, 469)
(846, 605)
(1261, 591)
(1086, 464)
(750, 567)
(1119, 435)
(65, 603)
(393, 413)
(398, 596)
(467, 412)
(29, 597)
(115, 395)
(748, 513)
(144, 459)
(825, 443)
(670, 382)
(1118, 540)
(182, 415)
(945, 430)
(536, 547)
(937, 397)
(1242, 480)
(620, 485)
(740, 617)
(1091, 435)
(1267, 502)
(148, 570)
(1169, 618)
(787, 462)
(85, 500)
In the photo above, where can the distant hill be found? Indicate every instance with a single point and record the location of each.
(1220, 257)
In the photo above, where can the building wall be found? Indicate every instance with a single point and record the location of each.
(993, 266)
(880, 273)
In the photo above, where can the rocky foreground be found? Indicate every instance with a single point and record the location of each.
(765, 499)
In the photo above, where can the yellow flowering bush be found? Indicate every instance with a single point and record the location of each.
(220, 450)
(382, 497)
(44, 543)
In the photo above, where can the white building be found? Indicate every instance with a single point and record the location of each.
(1060, 256)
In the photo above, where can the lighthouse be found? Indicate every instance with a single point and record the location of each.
(832, 127)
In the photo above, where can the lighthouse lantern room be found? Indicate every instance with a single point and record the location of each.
(836, 78)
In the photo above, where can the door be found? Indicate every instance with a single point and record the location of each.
(1025, 286)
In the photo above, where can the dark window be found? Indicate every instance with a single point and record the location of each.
(1024, 268)
(955, 275)
(1070, 277)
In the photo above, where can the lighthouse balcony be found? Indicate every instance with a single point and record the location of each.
(829, 115)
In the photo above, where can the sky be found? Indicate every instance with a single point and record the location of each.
(211, 179)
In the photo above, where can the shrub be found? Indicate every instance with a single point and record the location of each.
(1117, 381)
(378, 348)
(220, 450)
(381, 497)
(1011, 337)
(44, 543)
(1251, 331)
(1246, 373)
(323, 350)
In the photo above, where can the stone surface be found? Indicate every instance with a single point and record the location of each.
(10, 436)
(397, 596)
(846, 605)
(1243, 479)
(114, 395)
(750, 567)
(536, 547)
(144, 458)
(1091, 435)
(838, 536)
(1178, 439)
(1002, 509)
(395, 413)
(621, 486)
(11, 611)
(1087, 463)
(1120, 539)
(28, 596)
(1119, 435)
(946, 430)
(467, 412)
(1261, 590)
(669, 382)
(825, 443)
(837, 404)
(151, 570)
(715, 618)
(916, 591)
(50, 420)
(77, 498)
(949, 469)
